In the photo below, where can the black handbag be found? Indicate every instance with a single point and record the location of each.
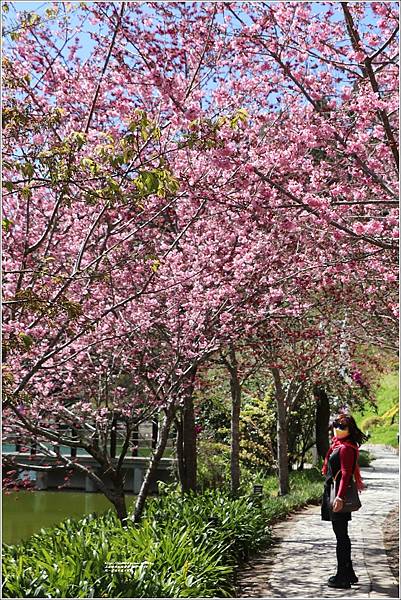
(351, 501)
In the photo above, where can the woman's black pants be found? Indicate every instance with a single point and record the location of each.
(343, 549)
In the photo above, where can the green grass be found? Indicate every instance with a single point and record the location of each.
(146, 451)
(378, 422)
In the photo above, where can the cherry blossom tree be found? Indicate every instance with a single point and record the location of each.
(207, 173)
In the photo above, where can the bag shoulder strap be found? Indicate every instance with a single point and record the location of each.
(353, 468)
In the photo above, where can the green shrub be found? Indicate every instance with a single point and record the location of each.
(185, 546)
(391, 416)
(370, 422)
(384, 427)
(213, 464)
(365, 458)
(258, 431)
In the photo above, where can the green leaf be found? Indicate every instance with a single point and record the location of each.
(6, 224)
(26, 339)
(79, 138)
(27, 169)
(30, 19)
(240, 116)
(73, 309)
(90, 164)
(51, 12)
(155, 265)
(26, 193)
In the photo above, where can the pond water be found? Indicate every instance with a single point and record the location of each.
(26, 512)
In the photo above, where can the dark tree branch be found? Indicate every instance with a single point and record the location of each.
(106, 62)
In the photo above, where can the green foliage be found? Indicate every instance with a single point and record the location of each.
(29, 300)
(370, 422)
(385, 435)
(145, 127)
(212, 464)
(213, 402)
(185, 546)
(29, 19)
(6, 224)
(26, 340)
(387, 392)
(203, 133)
(365, 458)
(258, 432)
(391, 414)
(381, 420)
(156, 181)
(108, 173)
(241, 116)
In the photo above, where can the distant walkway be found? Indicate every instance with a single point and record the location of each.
(303, 557)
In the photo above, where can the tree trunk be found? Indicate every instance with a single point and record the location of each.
(235, 388)
(113, 438)
(282, 445)
(189, 444)
(186, 439)
(118, 500)
(282, 434)
(322, 421)
(180, 451)
(155, 433)
(153, 463)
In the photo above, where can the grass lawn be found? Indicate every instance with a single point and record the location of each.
(379, 423)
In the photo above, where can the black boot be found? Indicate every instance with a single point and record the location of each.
(339, 582)
(351, 573)
(340, 579)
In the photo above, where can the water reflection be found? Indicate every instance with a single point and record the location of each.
(25, 512)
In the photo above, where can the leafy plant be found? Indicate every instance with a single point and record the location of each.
(186, 546)
(365, 458)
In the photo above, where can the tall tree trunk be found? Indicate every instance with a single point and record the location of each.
(153, 463)
(113, 438)
(113, 487)
(117, 498)
(282, 433)
(180, 450)
(186, 439)
(322, 420)
(121, 509)
(155, 433)
(235, 388)
(189, 443)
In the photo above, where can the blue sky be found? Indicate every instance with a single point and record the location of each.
(86, 42)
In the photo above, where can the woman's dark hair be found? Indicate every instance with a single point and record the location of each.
(355, 434)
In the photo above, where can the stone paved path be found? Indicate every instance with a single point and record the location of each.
(303, 558)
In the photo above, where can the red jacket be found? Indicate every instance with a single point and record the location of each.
(347, 457)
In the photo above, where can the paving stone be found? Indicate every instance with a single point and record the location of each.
(303, 557)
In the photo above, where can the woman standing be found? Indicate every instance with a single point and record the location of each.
(342, 458)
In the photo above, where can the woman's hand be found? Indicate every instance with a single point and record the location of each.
(338, 504)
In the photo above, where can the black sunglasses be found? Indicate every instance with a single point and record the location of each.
(339, 425)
